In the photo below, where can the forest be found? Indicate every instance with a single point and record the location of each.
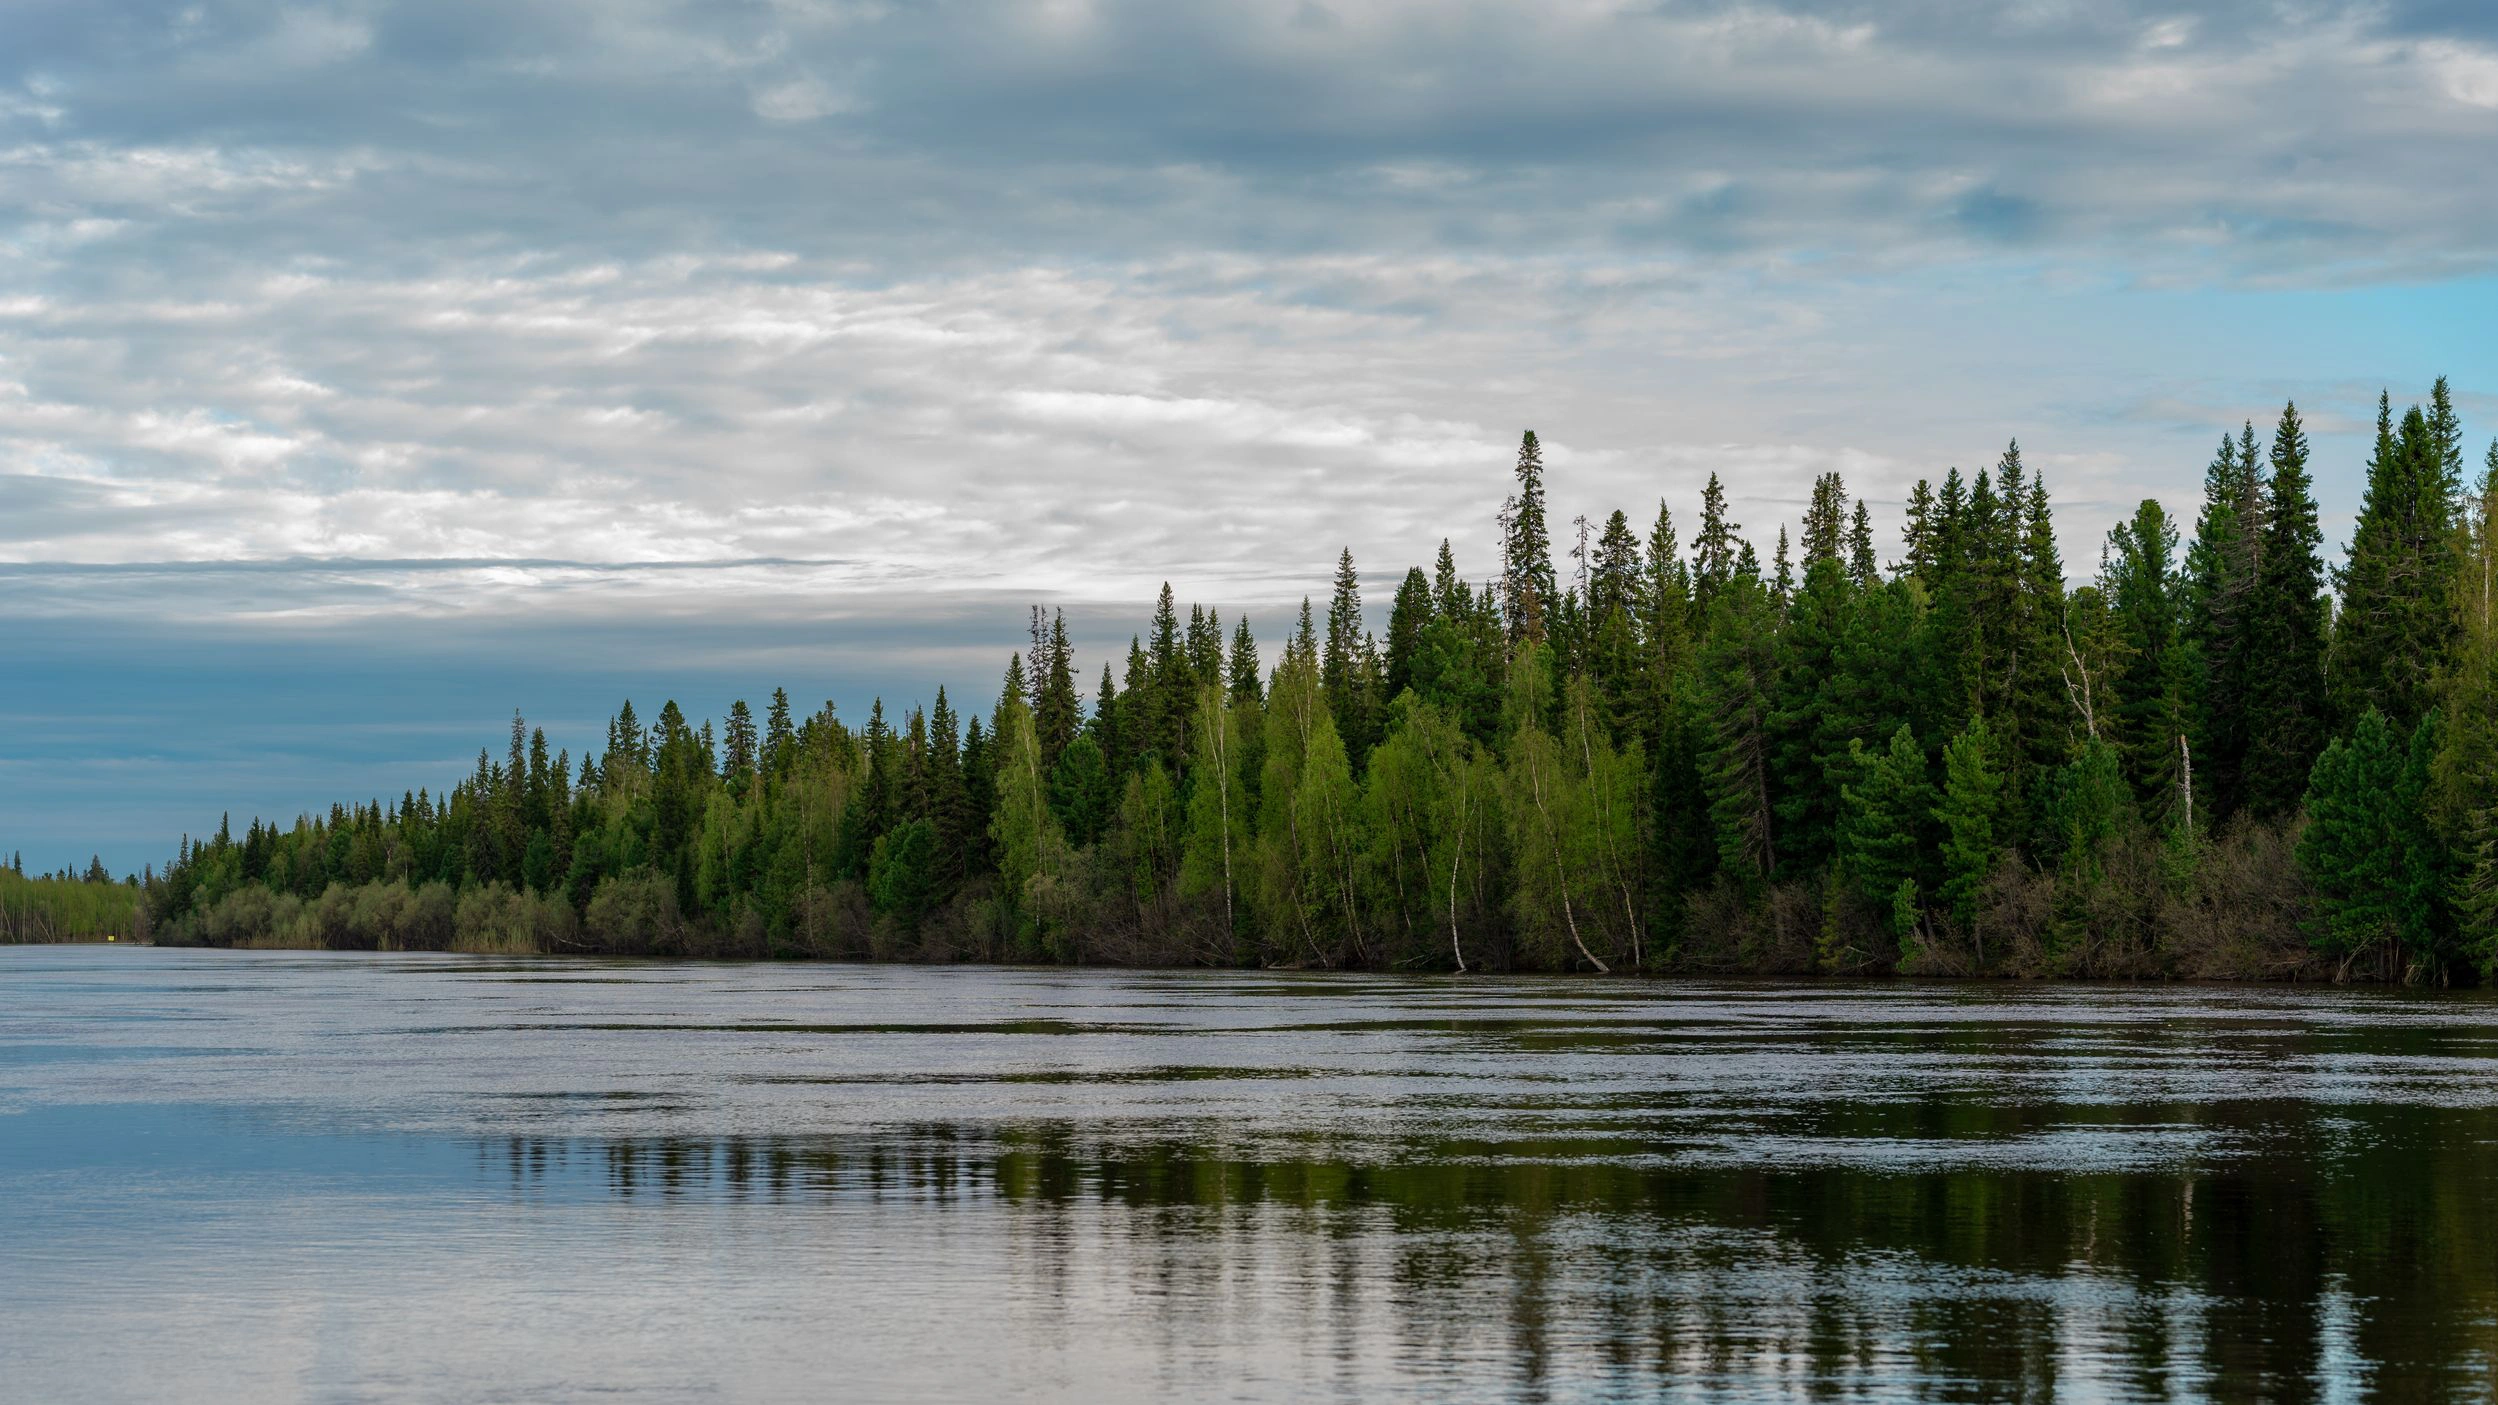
(2217, 759)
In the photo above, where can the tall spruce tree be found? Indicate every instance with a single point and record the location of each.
(2221, 600)
(1714, 552)
(2396, 618)
(2286, 626)
(1528, 591)
(1057, 711)
(2146, 598)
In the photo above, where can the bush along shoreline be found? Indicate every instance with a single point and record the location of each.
(2215, 760)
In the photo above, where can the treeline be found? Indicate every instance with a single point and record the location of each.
(1635, 758)
(67, 907)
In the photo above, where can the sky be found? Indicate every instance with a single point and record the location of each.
(371, 370)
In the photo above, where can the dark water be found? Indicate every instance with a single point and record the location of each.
(239, 1176)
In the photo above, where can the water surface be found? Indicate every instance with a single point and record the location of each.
(277, 1176)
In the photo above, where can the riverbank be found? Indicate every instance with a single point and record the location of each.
(2188, 933)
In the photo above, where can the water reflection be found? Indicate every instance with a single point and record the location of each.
(385, 1178)
(2337, 1253)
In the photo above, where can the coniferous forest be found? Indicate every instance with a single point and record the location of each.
(1632, 745)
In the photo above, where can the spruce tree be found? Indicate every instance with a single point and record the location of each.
(2463, 803)
(2221, 599)
(737, 764)
(1340, 655)
(2396, 620)
(1081, 792)
(2368, 852)
(1205, 647)
(2051, 724)
(1861, 565)
(1246, 683)
(1825, 522)
(1616, 607)
(949, 802)
(2285, 679)
(1528, 590)
(1736, 680)
(1714, 552)
(1917, 535)
(1105, 726)
(778, 735)
(1887, 819)
(2138, 576)
(1449, 595)
(1971, 819)
(1809, 725)
(1165, 686)
(1408, 617)
(1058, 712)
(1665, 626)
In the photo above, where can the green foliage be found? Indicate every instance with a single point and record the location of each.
(902, 876)
(2396, 618)
(62, 908)
(2089, 806)
(1887, 818)
(1971, 817)
(2376, 868)
(2285, 689)
(1080, 792)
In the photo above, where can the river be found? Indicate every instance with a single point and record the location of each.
(241, 1176)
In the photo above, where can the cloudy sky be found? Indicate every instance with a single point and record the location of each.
(368, 370)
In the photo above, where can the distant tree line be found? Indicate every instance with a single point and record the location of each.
(2216, 759)
(66, 906)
